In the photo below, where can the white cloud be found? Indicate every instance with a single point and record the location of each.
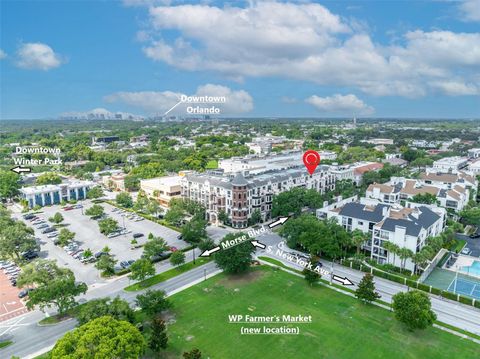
(342, 104)
(307, 42)
(37, 56)
(470, 10)
(3, 54)
(158, 102)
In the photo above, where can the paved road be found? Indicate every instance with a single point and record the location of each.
(30, 339)
(472, 243)
(450, 312)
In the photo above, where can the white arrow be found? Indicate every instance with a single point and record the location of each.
(343, 280)
(281, 220)
(258, 244)
(19, 169)
(210, 251)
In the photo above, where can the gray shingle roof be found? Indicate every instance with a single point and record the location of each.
(357, 210)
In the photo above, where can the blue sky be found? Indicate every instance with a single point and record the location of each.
(329, 58)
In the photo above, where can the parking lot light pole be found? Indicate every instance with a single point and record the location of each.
(194, 255)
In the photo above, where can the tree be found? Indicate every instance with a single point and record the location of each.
(95, 211)
(54, 286)
(207, 243)
(194, 231)
(192, 354)
(153, 208)
(9, 184)
(48, 178)
(358, 238)
(87, 253)
(132, 183)
(471, 216)
(65, 236)
(174, 216)
(95, 192)
(311, 276)
(106, 264)
(124, 199)
(222, 216)
(15, 238)
(177, 258)
(392, 248)
(256, 217)
(366, 289)
(103, 337)
(107, 226)
(158, 336)
(413, 308)
(236, 259)
(153, 302)
(154, 247)
(141, 269)
(117, 308)
(404, 253)
(425, 198)
(142, 202)
(57, 218)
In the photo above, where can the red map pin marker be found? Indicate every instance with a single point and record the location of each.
(311, 159)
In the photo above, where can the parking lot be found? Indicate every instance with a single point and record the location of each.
(10, 305)
(87, 235)
(472, 243)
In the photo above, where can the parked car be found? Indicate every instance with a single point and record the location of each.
(28, 216)
(137, 235)
(23, 293)
(113, 234)
(43, 225)
(49, 230)
(52, 235)
(126, 264)
(99, 254)
(33, 218)
(466, 251)
(67, 208)
(173, 249)
(29, 255)
(138, 219)
(475, 235)
(78, 206)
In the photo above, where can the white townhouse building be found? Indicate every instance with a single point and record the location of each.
(407, 227)
(241, 195)
(54, 194)
(473, 153)
(450, 164)
(400, 188)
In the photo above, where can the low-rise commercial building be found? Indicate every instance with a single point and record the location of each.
(450, 164)
(163, 189)
(115, 182)
(55, 194)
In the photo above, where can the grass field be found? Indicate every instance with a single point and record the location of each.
(161, 277)
(342, 326)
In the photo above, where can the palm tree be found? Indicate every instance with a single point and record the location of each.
(358, 238)
(392, 248)
(404, 253)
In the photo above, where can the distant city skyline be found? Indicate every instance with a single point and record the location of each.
(379, 59)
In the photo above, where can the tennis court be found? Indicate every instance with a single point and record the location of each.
(466, 287)
(459, 284)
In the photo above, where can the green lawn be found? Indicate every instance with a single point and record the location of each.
(5, 343)
(166, 275)
(212, 164)
(342, 327)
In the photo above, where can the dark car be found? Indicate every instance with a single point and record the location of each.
(475, 235)
(28, 216)
(319, 264)
(137, 235)
(126, 264)
(49, 230)
(99, 254)
(29, 255)
(24, 292)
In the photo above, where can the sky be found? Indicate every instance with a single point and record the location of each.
(268, 58)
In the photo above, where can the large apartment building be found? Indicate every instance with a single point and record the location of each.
(407, 227)
(240, 195)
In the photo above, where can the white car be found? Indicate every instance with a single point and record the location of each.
(466, 251)
(52, 235)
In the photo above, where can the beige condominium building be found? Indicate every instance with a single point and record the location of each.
(163, 189)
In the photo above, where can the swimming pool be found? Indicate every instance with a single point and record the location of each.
(474, 268)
